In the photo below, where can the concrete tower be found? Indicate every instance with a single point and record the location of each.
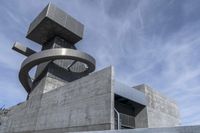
(65, 96)
(54, 30)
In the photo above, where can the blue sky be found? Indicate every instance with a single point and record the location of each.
(152, 42)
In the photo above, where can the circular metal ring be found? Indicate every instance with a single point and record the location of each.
(52, 54)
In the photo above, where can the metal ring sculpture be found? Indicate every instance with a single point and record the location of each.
(49, 55)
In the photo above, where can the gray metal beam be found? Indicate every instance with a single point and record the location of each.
(22, 49)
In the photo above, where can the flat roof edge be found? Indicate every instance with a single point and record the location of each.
(130, 93)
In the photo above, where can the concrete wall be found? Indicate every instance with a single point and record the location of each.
(82, 105)
(183, 129)
(161, 111)
(23, 117)
(141, 120)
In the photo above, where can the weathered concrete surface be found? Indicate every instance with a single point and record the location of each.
(160, 111)
(56, 73)
(181, 129)
(141, 119)
(85, 104)
(54, 21)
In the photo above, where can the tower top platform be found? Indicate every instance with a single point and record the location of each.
(52, 22)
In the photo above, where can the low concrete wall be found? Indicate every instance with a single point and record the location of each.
(160, 111)
(182, 129)
(85, 104)
(82, 105)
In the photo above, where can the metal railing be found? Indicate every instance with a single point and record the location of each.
(123, 120)
(117, 120)
(127, 121)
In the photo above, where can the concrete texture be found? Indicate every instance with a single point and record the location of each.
(52, 22)
(53, 28)
(129, 103)
(130, 93)
(182, 129)
(22, 49)
(82, 105)
(160, 110)
(86, 104)
(141, 119)
(64, 97)
(56, 72)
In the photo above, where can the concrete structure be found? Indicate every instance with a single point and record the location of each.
(180, 129)
(83, 105)
(73, 107)
(57, 32)
(64, 96)
(160, 110)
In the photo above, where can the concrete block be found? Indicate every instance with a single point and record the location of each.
(51, 22)
(161, 111)
(82, 105)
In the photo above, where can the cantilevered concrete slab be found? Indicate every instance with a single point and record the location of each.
(130, 93)
(22, 49)
(52, 22)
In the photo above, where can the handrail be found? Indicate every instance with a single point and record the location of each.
(124, 120)
(127, 120)
(118, 119)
